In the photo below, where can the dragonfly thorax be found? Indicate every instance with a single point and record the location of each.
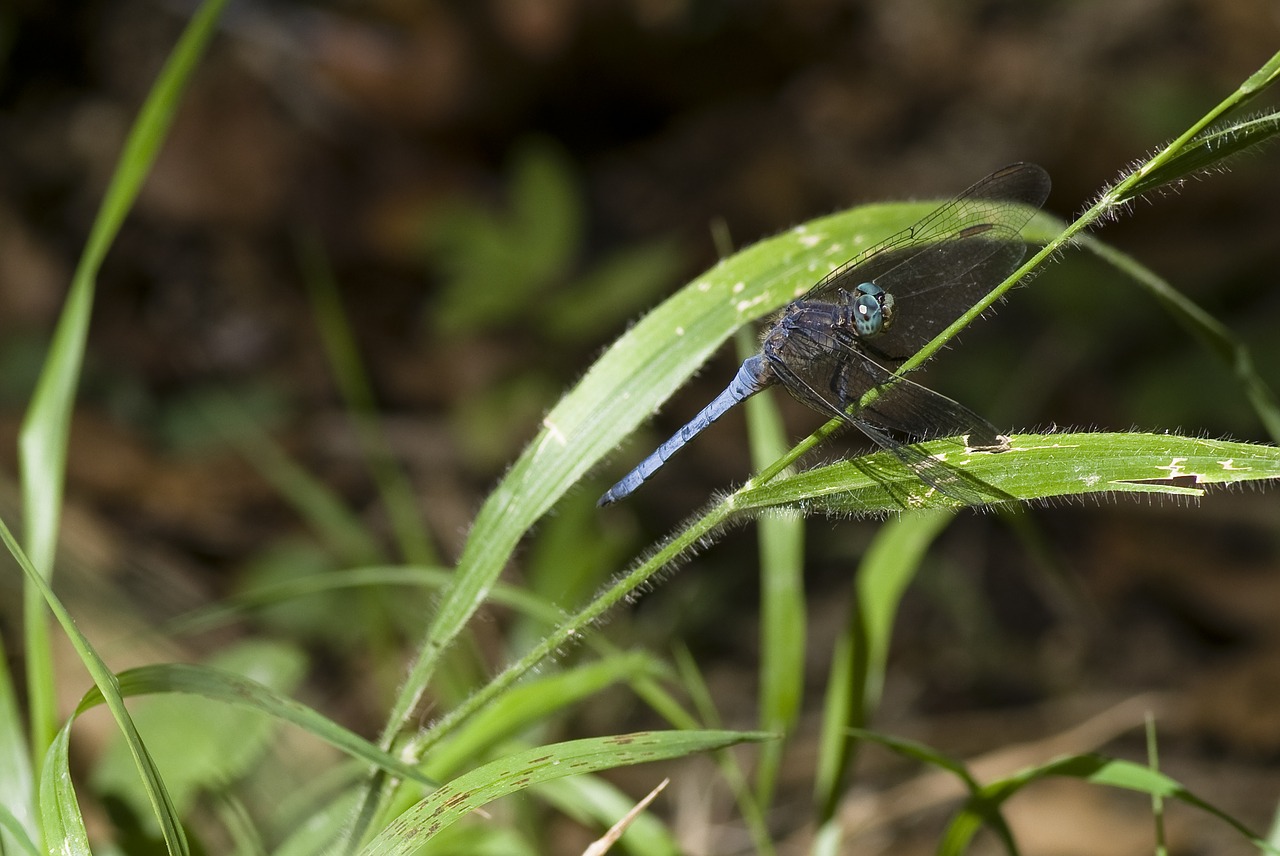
(859, 313)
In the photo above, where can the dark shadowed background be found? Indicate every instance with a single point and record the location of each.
(463, 168)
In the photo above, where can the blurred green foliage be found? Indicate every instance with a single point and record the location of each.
(524, 265)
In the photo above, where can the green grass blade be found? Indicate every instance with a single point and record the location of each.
(1157, 800)
(525, 706)
(234, 689)
(568, 632)
(1035, 467)
(42, 442)
(782, 606)
(695, 686)
(1273, 834)
(571, 629)
(984, 803)
(326, 822)
(1208, 150)
(978, 812)
(890, 564)
(64, 830)
(65, 816)
(198, 747)
(19, 824)
(858, 667)
(42, 438)
(238, 821)
(1187, 154)
(918, 751)
(1098, 770)
(481, 786)
(17, 840)
(227, 610)
(353, 381)
(1116, 773)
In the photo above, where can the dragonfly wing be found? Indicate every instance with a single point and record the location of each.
(918, 412)
(832, 382)
(940, 284)
(955, 483)
(1002, 202)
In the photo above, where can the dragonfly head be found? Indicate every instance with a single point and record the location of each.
(872, 310)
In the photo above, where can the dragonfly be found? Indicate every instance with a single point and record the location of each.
(837, 347)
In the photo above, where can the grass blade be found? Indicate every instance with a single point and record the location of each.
(524, 706)
(1188, 153)
(234, 689)
(475, 789)
(782, 606)
(1036, 466)
(1208, 150)
(68, 826)
(19, 823)
(858, 667)
(64, 830)
(42, 442)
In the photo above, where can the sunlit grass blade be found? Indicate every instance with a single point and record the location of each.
(353, 382)
(42, 442)
(531, 767)
(1035, 467)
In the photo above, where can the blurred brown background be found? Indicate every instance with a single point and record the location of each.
(419, 143)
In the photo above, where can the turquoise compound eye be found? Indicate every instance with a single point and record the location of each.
(869, 315)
